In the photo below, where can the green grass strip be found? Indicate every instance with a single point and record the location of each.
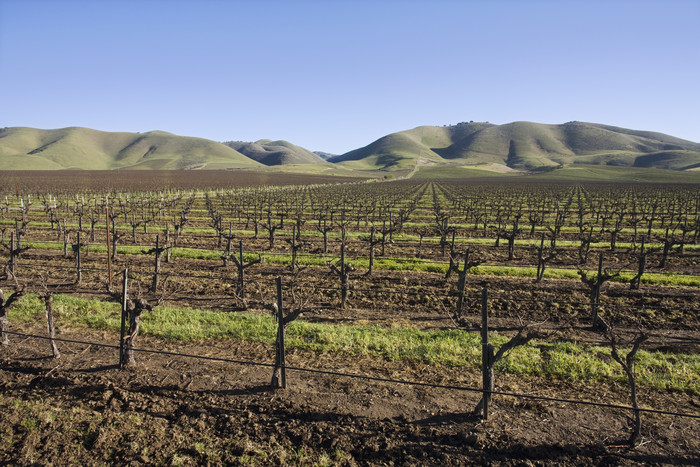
(395, 264)
(559, 273)
(453, 348)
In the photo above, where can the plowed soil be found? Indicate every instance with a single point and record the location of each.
(172, 410)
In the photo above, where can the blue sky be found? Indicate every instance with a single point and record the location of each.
(336, 75)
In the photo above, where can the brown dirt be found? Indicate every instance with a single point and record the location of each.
(417, 299)
(180, 411)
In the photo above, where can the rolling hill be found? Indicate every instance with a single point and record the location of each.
(472, 149)
(83, 148)
(275, 152)
(524, 146)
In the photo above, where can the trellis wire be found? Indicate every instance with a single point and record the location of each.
(368, 377)
(451, 294)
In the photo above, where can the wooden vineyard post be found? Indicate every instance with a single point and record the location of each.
(295, 246)
(371, 251)
(48, 303)
(240, 289)
(344, 284)
(540, 262)
(226, 255)
(13, 253)
(123, 324)
(595, 302)
(78, 269)
(4, 322)
(19, 236)
(109, 253)
(66, 239)
(115, 237)
(279, 375)
(486, 353)
(167, 242)
(156, 266)
(462, 284)
(280, 318)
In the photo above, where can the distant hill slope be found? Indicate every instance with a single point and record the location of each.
(525, 146)
(82, 148)
(446, 151)
(325, 155)
(275, 152)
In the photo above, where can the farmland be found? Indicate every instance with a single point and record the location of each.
(388, 281)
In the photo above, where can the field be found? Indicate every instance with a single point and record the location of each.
(383, 345)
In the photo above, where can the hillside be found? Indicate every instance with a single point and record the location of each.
(324, 155)
(82, 148)
(524, 146)
(275, 152)
(464, 150)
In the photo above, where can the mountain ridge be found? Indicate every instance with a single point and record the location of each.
(525, 146)
(279, 152)
(24, 148)
(512, 147)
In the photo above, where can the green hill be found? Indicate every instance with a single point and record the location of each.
(82, 148)
(270, 152)
(524, 146)
(572, 150)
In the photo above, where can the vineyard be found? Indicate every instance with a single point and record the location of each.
(382, 291)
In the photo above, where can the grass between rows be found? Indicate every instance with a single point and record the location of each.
(455, 348)
(396, 264)
(466, 227)
(402, 237)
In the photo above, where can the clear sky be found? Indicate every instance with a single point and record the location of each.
(333, 75)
